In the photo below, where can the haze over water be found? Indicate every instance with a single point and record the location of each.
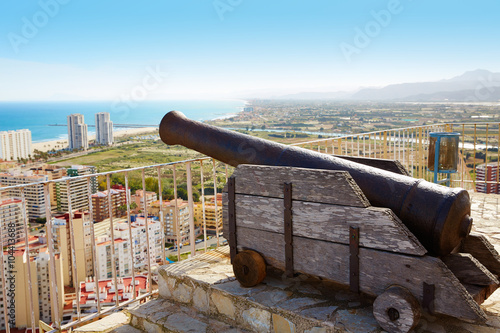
(36, 116)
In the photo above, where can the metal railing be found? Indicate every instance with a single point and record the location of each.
(479, 144)
(164, 179)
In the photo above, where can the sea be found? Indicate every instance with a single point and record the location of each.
(37, 116)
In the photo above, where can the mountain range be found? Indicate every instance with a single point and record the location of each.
(472, 86)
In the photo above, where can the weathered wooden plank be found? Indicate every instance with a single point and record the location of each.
(380, 163)
(379, 228)
(483, 251)
(480, 293)
(477, 292)
(378, 270)
(308, 184)
(469, 270)
(231, 219)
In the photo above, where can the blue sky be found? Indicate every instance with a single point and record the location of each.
(86, 49)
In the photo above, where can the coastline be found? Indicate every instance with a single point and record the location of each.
(57, 144)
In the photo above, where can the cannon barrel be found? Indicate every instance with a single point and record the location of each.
(438, 216)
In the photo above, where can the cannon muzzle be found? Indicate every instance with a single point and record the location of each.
(437, 215)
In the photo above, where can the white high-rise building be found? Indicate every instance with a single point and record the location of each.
(103, 129)
(171, 225)
(18, 298)
(11, 215)
(77, 132)
(79, 189)
(35, 198)
(15, 145)
(123, 246)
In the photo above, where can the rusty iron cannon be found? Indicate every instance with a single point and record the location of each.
(306, 212)
(438, 216)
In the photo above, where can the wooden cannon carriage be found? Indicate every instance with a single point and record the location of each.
(319, 222)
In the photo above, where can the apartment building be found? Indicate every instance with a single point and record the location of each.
(79, 189)
(489, 173)
(171, 210)
(100, 204)
(125, 250)
(12, 221)
(123, 262)
(15, 145)
(18, 297)
(83, 245)
(45, 303)
(140, 196)
(53, 172)
(77, 132)
(35, 198)
(104, 129)
(140, 242)
(213, 215)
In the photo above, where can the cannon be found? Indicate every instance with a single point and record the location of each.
(403, 240)
(438, 216)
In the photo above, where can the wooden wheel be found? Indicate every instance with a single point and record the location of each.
(249, 268)
(396, 310)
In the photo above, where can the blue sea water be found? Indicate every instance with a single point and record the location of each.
(36, 116)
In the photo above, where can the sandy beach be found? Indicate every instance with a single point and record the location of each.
(61, 144)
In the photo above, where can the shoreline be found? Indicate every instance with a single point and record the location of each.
(57, 144)
(45, 146)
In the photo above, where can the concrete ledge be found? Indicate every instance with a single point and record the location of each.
(206, 284)
(106, 324)
(161, 315)
(126, 329)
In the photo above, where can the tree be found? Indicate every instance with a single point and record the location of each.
(167, 193)
(103, 186)
(122, 209)
(182, 193)
(151, 184)
(480, 155)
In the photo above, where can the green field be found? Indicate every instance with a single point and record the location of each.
(131, 156)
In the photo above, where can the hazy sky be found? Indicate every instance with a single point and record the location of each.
(164, 49)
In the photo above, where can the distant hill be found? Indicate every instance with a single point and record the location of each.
(317, 95)
(460, 88)
(473, 86)
(483, 94)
